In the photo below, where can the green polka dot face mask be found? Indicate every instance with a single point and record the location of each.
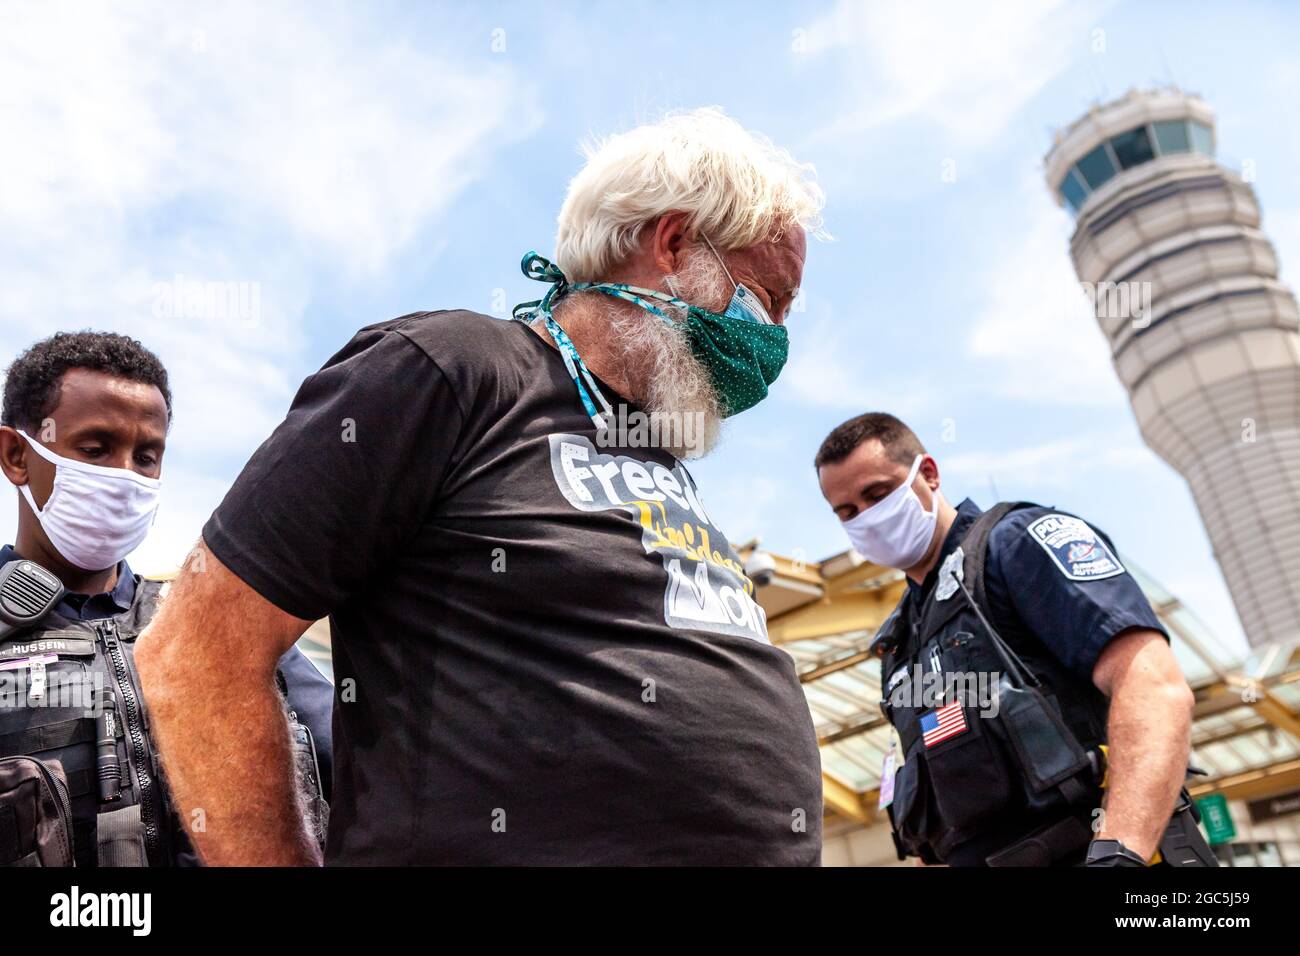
(741, 349)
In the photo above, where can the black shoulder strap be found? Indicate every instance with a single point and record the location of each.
(973, 550)
(887, 635)
(975, 545)
(148, 592)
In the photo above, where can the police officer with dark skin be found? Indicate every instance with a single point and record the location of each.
(1061, 604)
(85, 422)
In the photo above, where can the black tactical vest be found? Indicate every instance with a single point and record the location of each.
(79, 779)
(988, 734)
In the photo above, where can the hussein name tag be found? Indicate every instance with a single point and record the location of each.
(66, 646)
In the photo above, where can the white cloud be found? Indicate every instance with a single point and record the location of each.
(745, 515)
(1035, 331)
(820, 371)
(1055, 464)
(828, 369)
(970, 68)
(294, 148)
(296, 116)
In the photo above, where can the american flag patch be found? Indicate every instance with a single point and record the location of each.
(939, 725)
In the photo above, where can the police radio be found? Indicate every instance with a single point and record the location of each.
(27, 593)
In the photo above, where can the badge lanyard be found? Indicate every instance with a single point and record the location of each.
(541, 269)
(574, 363)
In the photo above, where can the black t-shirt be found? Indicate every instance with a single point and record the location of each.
(544, 650)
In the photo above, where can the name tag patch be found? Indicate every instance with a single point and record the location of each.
(67, 646)
(1075, 548)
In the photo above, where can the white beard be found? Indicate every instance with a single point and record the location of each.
(667, 381)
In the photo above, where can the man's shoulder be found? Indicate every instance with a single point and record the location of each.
(473, 353)
(448, 334)
(1015, 524)
(1035, 521)
(468, 347)
(1078, 549)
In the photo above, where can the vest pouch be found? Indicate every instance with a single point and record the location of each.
(1047, 751)
(35, 814)
(968, 778)
(909, 811)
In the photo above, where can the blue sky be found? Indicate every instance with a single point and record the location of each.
(355, 162)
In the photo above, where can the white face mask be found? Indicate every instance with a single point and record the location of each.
(95, 516)
(896, 531)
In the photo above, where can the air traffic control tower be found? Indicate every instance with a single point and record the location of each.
(1204, 337)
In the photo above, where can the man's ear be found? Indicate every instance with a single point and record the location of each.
(668, 241)
(13, 455)
(930, 472)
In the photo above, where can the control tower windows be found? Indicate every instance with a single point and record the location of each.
(1096, 167)
(1133, 148)
(1202, 139)
(1073, 191)
(1171, 137)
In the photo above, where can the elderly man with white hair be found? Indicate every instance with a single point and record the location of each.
(545, 651)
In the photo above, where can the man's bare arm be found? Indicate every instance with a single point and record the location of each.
(207, 667)
(1149, 734)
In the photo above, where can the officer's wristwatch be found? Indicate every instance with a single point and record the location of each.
(1112, 853)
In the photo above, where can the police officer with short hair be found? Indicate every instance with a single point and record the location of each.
(1039, 716)
(83, 431)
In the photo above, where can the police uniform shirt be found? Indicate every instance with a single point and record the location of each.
(1051, 580)
(89, 607)
(545, 651)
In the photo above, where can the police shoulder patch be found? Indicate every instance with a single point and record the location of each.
(1075, 548)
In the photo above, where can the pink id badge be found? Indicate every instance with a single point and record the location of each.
(887, 771)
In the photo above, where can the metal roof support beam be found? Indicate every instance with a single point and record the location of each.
(847, 802)
(1253, 784)
(858, 575)
(851, 611)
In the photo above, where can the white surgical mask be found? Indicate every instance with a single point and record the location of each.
(897, 530)
(94, 516)
(744, 304)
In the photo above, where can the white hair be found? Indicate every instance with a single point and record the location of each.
(736, 187)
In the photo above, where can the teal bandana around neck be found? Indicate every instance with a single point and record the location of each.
(742, 356)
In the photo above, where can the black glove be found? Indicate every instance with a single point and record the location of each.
(1112, 853)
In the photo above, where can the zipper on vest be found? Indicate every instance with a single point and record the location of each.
(135, 730)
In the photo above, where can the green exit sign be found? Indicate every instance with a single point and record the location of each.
(1216, 818)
